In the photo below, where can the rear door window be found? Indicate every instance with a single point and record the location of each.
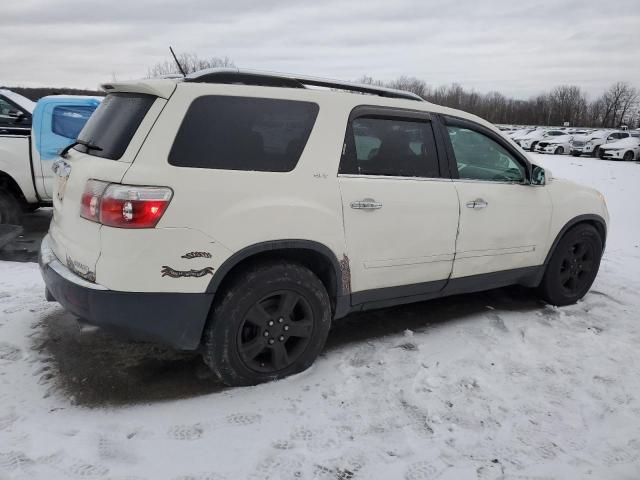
(390, 147)
(243, 133)
(114, 123)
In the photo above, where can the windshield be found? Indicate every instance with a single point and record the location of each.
(114, 123)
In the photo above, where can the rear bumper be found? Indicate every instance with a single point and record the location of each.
(174, 319)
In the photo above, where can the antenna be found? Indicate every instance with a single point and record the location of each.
(177, 62)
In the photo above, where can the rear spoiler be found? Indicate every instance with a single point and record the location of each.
(158, 87)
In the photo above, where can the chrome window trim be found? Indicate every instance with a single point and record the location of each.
(391, 177)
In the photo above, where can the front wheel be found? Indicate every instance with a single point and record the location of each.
(628, 156)
(573, 266)
(271, 322)
(533, 146)
(575, 154)
(559, 151)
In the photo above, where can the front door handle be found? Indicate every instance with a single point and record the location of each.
(366, 204)
(477, 203)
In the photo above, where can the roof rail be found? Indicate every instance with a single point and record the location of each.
(275, 79)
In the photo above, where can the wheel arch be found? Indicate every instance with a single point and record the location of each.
(590, 219)
(320, 259)
(8, 184)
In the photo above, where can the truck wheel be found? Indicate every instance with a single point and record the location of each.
(271, 322)
(573, 266)
(10, 209)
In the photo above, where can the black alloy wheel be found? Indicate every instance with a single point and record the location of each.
(576, 265)
(275, 331)
(573, 266)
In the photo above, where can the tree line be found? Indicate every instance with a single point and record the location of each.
(618, 105)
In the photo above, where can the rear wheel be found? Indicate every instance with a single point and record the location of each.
(628, 156)
(271, 322)
(601, 153)
(10, 209)
(596, 152)
(573, 266)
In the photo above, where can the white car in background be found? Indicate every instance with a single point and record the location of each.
(532, 139)
(557, 145)
(627, 149)
(590, 144)
(518, 135)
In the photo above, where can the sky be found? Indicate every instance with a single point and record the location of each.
(517, 47)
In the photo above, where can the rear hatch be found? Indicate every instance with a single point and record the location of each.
(112, 137)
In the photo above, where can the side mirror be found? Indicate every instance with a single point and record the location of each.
(17, 115)
(538, 176)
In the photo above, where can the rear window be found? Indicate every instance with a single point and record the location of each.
(240, 133)
(68, 121)
(114, 123)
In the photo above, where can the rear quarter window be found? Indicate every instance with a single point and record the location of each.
(242, 133)
(114, 123)
(67, 121)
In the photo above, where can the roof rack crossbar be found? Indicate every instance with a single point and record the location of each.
(274, 79)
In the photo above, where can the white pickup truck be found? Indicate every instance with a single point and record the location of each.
(31, 135)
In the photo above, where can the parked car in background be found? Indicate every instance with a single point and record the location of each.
(518, 135)
(323, 203)
(627, 149)
(30, 139)
(15, 112)
(590, 143)
(530, 141)
(557, 145)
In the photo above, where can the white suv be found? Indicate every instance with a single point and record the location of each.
(240, 212)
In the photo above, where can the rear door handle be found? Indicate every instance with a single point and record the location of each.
(477, 203)
(366, 204)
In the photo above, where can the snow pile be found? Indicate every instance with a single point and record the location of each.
(491, 385)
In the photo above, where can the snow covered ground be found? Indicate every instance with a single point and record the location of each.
(491, 385)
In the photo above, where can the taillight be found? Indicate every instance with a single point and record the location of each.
(124, 206)
(90, 203)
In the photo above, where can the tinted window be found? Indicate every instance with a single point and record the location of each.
(391, 147)
(67, 121)
(240, 133)
(11, 115)
(481, 158)
(114, 123)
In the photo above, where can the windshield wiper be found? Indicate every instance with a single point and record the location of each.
(89, 145)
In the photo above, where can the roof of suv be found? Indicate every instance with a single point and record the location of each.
(260, 78)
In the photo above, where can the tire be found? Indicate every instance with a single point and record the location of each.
(559, 151)
(10, 209)
(596, 152)
(573, 266)
(575, 154)
(600, 153)
(533, 147)
(628, 156)
(271, 322)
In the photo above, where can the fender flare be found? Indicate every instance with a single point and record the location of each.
(591, 217)
(341, 268)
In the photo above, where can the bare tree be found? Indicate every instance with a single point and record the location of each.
(617, 101)
(411, 84)
(190, 62)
